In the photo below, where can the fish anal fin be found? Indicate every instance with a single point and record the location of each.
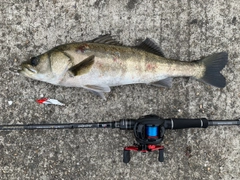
(83, 67)
(105, 39)
(163, 83)
(150, 46)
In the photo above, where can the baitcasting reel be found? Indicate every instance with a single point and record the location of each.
(149, 132)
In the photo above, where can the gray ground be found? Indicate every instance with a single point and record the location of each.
(184, 29)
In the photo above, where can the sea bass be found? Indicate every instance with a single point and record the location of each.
(103, 62)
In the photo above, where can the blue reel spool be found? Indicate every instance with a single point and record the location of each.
(152, 131)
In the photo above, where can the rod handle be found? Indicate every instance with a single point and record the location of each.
(186, 123)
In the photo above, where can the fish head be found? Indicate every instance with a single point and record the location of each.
(36, 67)
(48, 67)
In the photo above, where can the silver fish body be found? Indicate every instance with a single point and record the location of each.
(101, 63)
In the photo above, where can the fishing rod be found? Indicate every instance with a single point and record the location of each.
(148, 130)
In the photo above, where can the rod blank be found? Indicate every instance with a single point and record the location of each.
(55, 126)
(223, 122)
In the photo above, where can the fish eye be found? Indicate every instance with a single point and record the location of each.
(34, 61)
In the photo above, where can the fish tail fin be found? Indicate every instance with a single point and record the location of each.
(213, 65)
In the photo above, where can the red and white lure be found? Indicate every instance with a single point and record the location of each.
(49, 101)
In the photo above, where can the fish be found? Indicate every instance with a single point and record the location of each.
(101, 63)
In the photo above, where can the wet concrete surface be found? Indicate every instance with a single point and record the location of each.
(185, 30)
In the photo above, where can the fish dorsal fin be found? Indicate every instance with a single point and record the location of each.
(150, 46)
(105, 39)
(83, 67)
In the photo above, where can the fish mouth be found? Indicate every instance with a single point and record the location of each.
(26, 68)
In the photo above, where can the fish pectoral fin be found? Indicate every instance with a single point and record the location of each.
(150, 46)
(83, 67)
(98, 89)
(105, 39)
(163, 83)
